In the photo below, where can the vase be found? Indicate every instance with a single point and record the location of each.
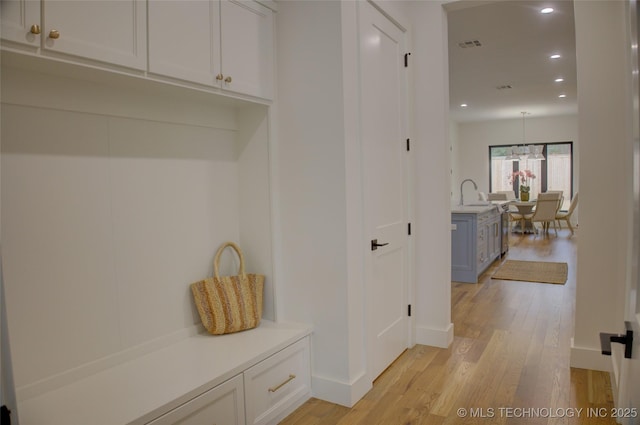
(524, 196)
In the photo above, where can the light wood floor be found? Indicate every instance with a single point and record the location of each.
(510, 356)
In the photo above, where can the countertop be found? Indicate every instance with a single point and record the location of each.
(478, 207)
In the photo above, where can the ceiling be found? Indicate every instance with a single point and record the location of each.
(510, 71)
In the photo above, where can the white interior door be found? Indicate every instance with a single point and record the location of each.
(383, 112)
(627, 377)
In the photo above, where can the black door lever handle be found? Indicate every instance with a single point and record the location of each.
(626, 339)
(375, 244)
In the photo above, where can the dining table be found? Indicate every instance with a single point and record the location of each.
(524, 208)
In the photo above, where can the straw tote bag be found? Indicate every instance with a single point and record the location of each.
(229, 304)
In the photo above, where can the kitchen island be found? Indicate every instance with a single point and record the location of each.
(475, 239)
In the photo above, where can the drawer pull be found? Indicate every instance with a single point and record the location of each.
(277, 387)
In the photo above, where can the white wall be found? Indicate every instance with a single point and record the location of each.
(313, 284)
(115, 200)
(455, 158)
(605, 140)
(432, 174)
(474, 139)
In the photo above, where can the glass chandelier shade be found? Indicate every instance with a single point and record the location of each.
(524, 152)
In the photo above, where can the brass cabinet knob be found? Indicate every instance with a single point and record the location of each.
(54, 34)
(219, 77)
(35, 29)
(227, 80)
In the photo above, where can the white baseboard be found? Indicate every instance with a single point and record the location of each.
(343, 393)
(435, 337)
(589, 358)
(349, 393)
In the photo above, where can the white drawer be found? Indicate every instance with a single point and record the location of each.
(277, 385)
(222, 405)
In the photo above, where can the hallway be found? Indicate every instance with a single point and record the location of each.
(509, 362)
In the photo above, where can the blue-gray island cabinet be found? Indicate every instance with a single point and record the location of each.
(475, 241)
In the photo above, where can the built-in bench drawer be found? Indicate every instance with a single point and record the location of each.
(222, 405)
(275, 385)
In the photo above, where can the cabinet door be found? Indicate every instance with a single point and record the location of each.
(184, 40)
(17, 18)
(247, 47)
(222, 405)
(495, 238)
(108, 31)
(463, 248)
(483, 245)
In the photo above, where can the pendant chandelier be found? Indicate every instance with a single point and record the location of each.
(524, 152)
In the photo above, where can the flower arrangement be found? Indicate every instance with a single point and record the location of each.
(525, 176)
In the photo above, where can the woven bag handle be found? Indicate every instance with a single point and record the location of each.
(216, 261)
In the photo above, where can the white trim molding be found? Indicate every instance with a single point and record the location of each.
(435, 337)
(589, 358)
(343, 393)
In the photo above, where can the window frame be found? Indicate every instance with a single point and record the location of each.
(543, 176)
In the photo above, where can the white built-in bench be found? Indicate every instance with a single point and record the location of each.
(253, 377)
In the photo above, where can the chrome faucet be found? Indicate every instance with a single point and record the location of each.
(475, 186)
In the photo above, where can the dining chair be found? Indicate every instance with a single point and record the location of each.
(566, 215)
(511, 195)
(545, 211)
(520, 214)
(497, 196)
(515, 216)
(560, 195)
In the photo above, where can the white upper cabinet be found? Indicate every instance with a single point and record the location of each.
(222, 44)
(21, 21)
(247, 47)
(226, 44)
(108, 31)
(184, 40)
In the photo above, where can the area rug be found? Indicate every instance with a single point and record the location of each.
(533, 271)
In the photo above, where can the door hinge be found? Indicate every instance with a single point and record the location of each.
(406, 60)
(409, 229)
(408, 145)
(409, 310)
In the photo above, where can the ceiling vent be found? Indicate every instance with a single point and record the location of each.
(470, 43)
(504, 87)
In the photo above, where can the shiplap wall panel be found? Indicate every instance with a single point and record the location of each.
(175, 198)
(57, 251)
(106, 222)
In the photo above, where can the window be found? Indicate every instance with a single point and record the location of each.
(554, 173)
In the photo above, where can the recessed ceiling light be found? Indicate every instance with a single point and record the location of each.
(559, 80)
(562, 96)
(556, 56)
(464, 105)
(547, 10)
